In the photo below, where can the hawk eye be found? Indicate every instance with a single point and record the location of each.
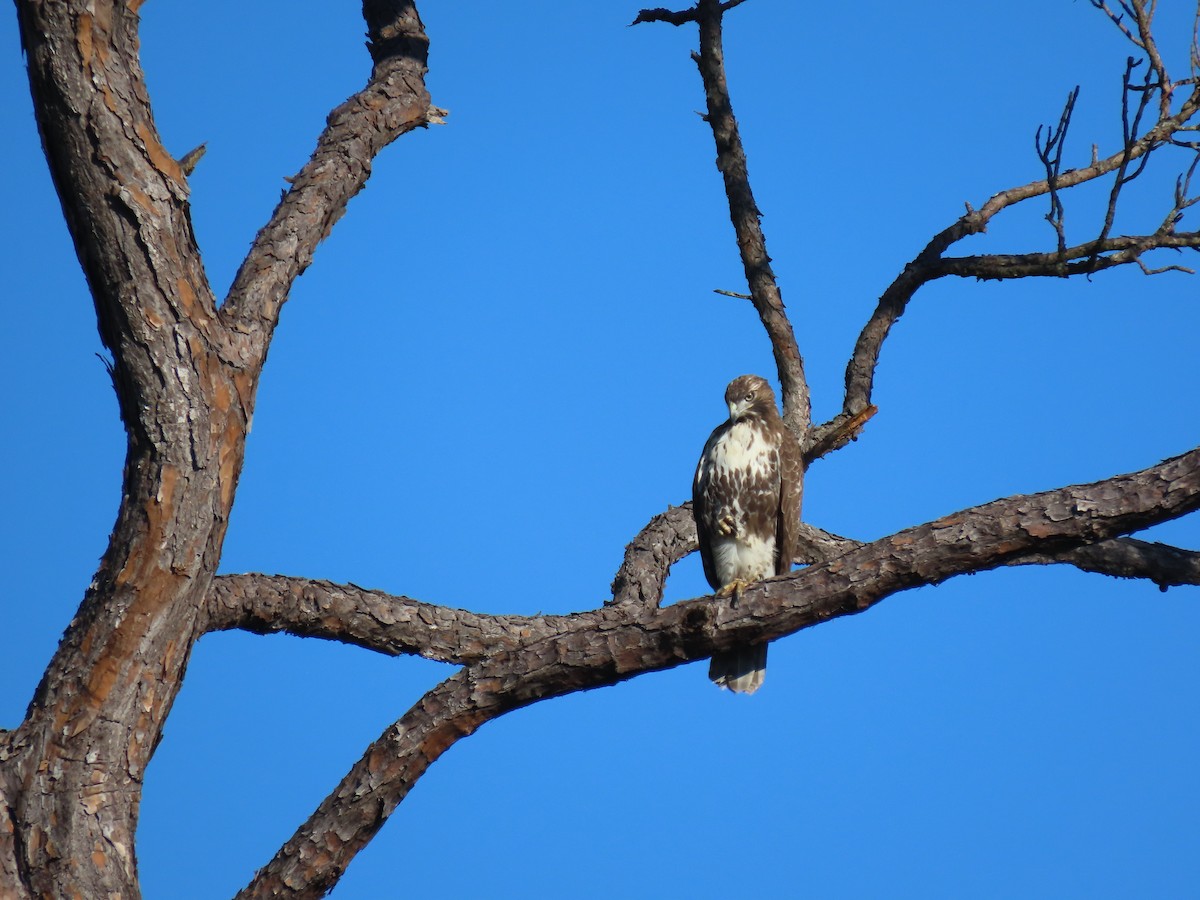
(750, 396)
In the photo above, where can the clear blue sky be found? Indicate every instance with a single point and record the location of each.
(1025, 733)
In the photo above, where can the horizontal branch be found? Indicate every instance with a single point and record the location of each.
(375, 620)
(682, 17)
(609, 645)
(1162, 564)
(396, 625)
(1084, 259)
(1123, 557)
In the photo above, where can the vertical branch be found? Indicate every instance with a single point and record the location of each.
(744, 213)
(1050, 153)
(1129, 133)
(1194, 50)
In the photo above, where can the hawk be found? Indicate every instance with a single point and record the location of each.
(746, 500)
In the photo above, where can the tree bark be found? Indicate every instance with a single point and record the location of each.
(98, 712)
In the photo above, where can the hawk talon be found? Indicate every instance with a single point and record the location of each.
(734, 589)
(727, 526)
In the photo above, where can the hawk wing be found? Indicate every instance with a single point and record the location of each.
(791, 489)
(703, 506)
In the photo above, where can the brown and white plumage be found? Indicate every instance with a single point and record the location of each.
(746, 500)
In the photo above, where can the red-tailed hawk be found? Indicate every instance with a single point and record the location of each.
(746, 499)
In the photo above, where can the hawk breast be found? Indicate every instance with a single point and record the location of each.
(737, 494)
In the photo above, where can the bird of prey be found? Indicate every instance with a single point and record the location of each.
(746, 500)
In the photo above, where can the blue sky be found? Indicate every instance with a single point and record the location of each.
(505, 360)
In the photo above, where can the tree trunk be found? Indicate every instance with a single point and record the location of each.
(185, 374)
(75, 766)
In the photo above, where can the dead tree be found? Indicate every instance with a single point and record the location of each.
(186, 369)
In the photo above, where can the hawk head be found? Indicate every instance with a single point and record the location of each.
(750, 395)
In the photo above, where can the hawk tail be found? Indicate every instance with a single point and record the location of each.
(741, 670)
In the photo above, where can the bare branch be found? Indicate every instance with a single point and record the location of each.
(660, 14)
(1129, 131)
(744, 213)
(836, 433)
(1183, 198)
(1117, 19)
(1050, 153)
(1194, 50)
(1144, 15)
(385, 623)
(1162, 564)
(610, 645)
(1083, 259)
(1143, 18)
(666, 539)
(860, 371)
(393, 102)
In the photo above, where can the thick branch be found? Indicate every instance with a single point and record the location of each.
(393, 102)
(668, 538)
(836, 433)
(613, 644)
(270, 604)
(1163, 564)
(394, 625)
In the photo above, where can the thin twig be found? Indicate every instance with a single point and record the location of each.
(1051, 154)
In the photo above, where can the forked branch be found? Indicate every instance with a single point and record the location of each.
(1050, 152)
(1124, 164)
